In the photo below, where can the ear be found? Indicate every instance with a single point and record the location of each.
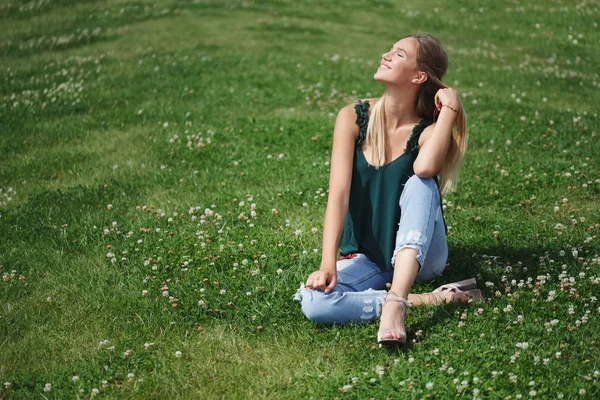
(420, 77)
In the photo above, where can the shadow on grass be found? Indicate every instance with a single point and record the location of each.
(487, 265)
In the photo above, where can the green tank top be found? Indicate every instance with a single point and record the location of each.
(374, 211)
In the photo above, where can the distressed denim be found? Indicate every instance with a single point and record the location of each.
(360, 289)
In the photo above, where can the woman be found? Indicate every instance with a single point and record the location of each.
(387, 156)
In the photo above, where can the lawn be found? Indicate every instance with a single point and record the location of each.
(163, 184)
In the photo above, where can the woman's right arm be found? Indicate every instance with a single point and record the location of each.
(342, 155)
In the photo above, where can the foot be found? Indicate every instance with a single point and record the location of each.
(453, 295)
(391, 326)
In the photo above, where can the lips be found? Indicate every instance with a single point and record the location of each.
(383, 65)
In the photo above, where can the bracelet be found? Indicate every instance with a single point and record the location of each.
(447, 106)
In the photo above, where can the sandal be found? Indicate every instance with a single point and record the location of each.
(390, 342)
(461, 287)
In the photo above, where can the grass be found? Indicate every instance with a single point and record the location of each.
(166, 163)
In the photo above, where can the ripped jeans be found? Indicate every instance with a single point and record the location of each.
(360, 290)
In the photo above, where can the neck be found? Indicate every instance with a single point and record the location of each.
(400, 108)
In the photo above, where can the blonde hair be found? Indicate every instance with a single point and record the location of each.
(431, 59)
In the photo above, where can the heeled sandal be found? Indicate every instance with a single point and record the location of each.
(390, 342)
(462, 287)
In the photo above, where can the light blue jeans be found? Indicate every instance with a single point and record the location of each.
(360, 289)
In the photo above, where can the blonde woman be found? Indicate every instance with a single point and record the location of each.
(391, 159)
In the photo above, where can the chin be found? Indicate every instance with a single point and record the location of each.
(380, 78)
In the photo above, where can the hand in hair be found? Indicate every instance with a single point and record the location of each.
(447, 97)
(438, 148)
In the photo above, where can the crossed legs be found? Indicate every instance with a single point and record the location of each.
(420, 254)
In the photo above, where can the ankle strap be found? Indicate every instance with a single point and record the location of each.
(391, 296)
(446, 288)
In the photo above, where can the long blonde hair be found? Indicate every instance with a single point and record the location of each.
(431, 59)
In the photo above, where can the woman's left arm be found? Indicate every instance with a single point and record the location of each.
(433, 151)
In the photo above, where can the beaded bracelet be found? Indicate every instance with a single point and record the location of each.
(436, 111)
(444, 105)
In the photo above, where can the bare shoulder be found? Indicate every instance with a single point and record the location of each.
(346, 118)
(345, 123)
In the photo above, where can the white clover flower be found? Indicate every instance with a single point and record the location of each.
(75, 378)
(429, 385)
(345, 388)
(178, 354)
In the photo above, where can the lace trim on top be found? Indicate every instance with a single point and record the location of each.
(413, 141)
(362, 120)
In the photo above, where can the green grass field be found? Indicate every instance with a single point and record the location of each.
(164, 179)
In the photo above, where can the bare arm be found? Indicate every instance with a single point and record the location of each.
(342, 155)
(436, 138)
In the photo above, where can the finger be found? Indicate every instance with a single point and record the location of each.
(320, 282)
(309, 282)
(438, 102)
(331, 285)
(314, 281)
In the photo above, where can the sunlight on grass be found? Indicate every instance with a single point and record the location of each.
(164, 180)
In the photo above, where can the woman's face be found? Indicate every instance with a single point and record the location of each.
(399, 65)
